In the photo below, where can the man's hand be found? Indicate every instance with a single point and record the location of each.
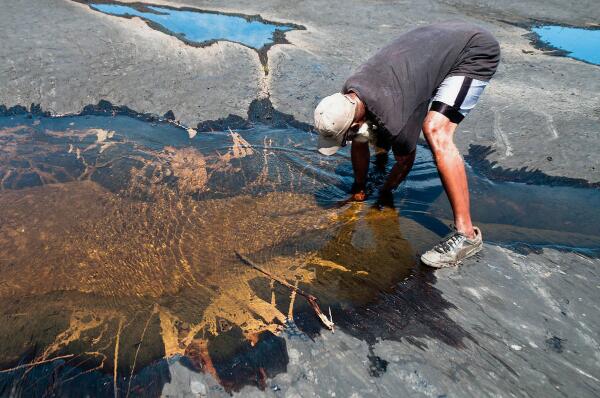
(385, 199)
(359, 196)
(358, 193)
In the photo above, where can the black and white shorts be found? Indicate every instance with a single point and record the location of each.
(456, 96)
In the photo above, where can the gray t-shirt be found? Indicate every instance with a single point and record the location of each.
(404, 75)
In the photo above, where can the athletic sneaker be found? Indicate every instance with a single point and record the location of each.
(454, 248)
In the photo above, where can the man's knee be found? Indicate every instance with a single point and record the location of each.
(438, 131)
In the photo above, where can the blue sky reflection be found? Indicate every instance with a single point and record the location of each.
(581, 44)
(201, 27)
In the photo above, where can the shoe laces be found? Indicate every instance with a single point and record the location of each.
(449, 243)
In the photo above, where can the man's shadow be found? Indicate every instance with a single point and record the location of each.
(383, 293)
(369, 276)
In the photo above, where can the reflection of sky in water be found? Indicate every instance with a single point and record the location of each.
(581, 44)
(200, 27)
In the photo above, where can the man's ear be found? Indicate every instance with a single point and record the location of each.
(360, 114)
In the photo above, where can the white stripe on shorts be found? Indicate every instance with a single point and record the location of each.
(449, 90)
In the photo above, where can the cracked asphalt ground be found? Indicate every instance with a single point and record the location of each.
(508, 324)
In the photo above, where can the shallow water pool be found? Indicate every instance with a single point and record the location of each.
(578, 43)
(200, 27)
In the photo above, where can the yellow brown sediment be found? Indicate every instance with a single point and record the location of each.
(121, 254)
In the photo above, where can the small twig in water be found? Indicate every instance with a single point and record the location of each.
(32, 364)
(312, 300)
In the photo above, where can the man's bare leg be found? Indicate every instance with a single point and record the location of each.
(439, 132)
(360, 164)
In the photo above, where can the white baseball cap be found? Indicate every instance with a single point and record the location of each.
(333, 117)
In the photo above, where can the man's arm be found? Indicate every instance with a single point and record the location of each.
(360, 165)
(399, 172)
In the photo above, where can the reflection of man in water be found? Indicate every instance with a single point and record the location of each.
(428, 78)
(371, 252)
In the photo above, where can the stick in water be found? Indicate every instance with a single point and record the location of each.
(312, 300)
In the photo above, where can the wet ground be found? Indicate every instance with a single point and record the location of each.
(119, 234)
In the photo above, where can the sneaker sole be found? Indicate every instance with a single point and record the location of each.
(474, 251)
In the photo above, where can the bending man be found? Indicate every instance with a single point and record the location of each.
(427, 79)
